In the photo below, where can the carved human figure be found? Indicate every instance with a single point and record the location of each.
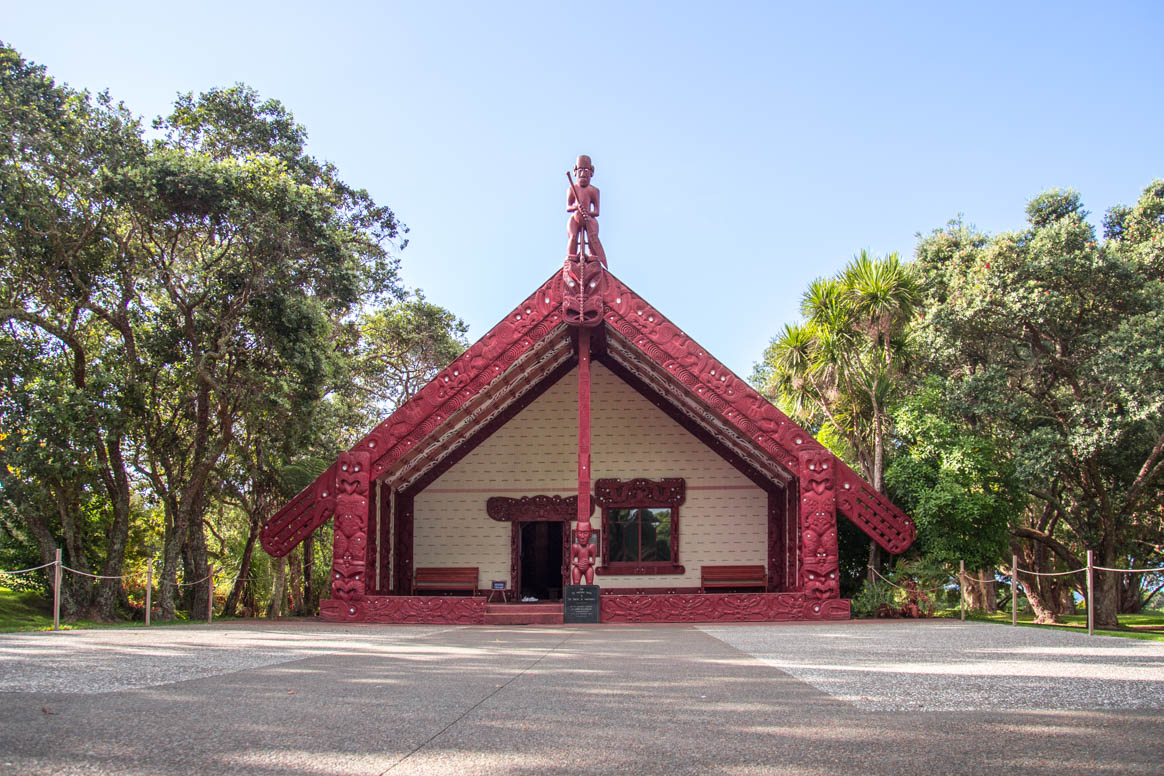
(582, 205)
(582, 556)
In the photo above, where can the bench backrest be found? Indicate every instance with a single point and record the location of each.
(454, 577)
(743, 575)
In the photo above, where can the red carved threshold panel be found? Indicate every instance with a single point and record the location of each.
(429, 610)
(728, 607)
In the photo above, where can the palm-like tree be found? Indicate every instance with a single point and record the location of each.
(838, 371)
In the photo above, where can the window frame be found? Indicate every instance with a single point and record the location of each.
(639, 493)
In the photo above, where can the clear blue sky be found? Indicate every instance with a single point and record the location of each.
(741, 148)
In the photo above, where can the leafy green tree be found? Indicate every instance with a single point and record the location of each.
(66, 403)
(1053, 345)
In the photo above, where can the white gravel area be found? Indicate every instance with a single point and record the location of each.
(944, 665)
(96, 661)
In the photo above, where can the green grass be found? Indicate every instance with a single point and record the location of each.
(27, 611)
(1076, 622)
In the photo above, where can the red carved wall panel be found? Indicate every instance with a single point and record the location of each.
(818, 525)
(432, 610)
(402, 543)
(726, 607)
(776, 533)
(350, 543)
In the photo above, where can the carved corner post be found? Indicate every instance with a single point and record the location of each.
(818, 525)
(350, 546)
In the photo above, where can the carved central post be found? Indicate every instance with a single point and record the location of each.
(582, 552)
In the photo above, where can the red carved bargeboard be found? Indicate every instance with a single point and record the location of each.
(739, 404)
(725, 607)
(431, 610)
(460, 381)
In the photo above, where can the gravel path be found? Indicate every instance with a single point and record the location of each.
(98, 661)
(960, 666)
(310, 698)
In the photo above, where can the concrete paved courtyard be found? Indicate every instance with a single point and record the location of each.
(309, 697)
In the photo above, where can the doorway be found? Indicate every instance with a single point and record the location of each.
(541, 560)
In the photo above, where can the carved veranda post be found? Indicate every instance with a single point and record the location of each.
(349, 548)
(818, 525)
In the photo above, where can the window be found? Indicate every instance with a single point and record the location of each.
(640, 521)
(640, 535)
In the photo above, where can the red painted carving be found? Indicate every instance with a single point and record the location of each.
(872, 512)
(776, 517)
(312, 507)
(640, 492)
(350, 545)
(727, 607)
(402, 542)
(532, 508)
(582, 553)
(583, 286)
(582, 204)
(529, 323)
(432, 610)
(818, 525)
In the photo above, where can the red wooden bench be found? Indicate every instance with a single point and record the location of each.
(732, 576)
(445, 579)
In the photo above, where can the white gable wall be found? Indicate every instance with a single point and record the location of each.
(723, 521)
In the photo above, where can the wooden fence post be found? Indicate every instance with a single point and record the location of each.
(962, 586)
(1090, 596)
(210, 596)
(1014, 590)
(149, 589)
(57, 591)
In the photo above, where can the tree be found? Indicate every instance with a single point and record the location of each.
(840, 371)
(1053, 345)
(66, 403)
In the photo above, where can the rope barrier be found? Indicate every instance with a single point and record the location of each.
(94, 576)
(906, 589)
(25, 571)
(1131, 571)
(1052, 573)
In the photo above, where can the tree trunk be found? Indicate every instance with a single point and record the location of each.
(117, 483)
(275, 607)
(244, 568)
(982, 592)
(295, 586)
(1107, 598)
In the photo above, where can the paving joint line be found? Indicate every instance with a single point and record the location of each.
(472, 708)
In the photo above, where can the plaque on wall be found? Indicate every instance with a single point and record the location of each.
(580, 603)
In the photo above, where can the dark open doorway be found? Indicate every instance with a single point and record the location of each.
(541, 560)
